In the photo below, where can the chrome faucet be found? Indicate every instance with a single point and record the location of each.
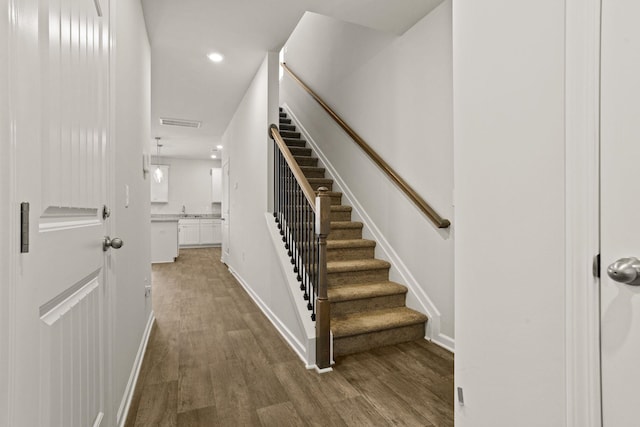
(184, 210)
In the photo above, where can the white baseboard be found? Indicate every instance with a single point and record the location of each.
(300, 349)
(415, 290)
(445, 342)
(125, 403)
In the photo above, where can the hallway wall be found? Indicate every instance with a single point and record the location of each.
(248, 150)
(396, 92)
(132, 121)
(509, 156)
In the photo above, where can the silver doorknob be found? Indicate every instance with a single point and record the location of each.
(625, 270)
(108, 242)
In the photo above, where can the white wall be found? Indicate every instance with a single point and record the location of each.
(396, 92)
(189, 185)
(251, 254)
(509, 179)
(131, 139)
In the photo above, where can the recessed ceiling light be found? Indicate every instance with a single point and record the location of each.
(219, 147)
(215, 57)
(213, 156)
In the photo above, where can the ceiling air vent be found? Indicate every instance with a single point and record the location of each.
(180, 122)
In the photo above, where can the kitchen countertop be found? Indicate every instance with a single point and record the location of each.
(177, 217)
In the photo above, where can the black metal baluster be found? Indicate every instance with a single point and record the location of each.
(275, 180)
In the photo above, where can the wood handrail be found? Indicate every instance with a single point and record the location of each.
(404, 186)
(309, 194)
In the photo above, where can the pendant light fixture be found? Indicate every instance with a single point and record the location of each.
(158, 176)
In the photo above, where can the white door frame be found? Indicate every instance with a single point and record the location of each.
(8, 218)
(582, 218)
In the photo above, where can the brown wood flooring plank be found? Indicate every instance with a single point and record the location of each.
(357, 411)
(233, 401)
(280, 415)
(203, 417)
(308, 401)
(272, 344)
(214, 359)
(264, 388)
(195, 387)
(158, 405)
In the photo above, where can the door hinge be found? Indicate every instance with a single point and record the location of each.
(24, 227)
(596, 266)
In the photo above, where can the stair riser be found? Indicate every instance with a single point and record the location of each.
(307, 161)
(327, 185)
(345, 233)
(357, 343)
(340, 216)
(367, 304)
(336, 200)
(300, 151)
(288, 127)
(284, 121)
(348, 254)
(358, 277)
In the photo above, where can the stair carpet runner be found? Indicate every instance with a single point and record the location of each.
(367, 310)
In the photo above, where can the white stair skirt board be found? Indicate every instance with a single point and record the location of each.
(125, 403)
(416, 296)
(305, 350)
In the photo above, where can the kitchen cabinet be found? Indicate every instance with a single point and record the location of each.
(216, 185)
(200, 232)
(189, 232)
(164, 240)
(206, 232)
(160, 190)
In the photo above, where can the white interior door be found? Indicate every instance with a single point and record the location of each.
(226, 219)
(620, 207)
(59, 80)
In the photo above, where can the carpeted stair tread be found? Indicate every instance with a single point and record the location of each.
(350, 243)
(306, 160)
(294, 142)
(373, 321)
(341, 208)
(356, 265)
(327, 181)
(289, 134)
(371, 290)
(340, 225)
(312, 170)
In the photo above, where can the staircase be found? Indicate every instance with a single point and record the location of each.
(367, 310)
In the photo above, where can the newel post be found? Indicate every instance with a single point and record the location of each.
(323, 313)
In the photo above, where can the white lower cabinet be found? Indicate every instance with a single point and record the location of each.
(200, 232)
(206, 232)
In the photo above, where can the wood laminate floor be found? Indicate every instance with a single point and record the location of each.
(214, 359)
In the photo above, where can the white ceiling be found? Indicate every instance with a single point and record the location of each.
(186, 85)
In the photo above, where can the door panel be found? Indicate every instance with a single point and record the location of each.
(620, 235)
(59, 77)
